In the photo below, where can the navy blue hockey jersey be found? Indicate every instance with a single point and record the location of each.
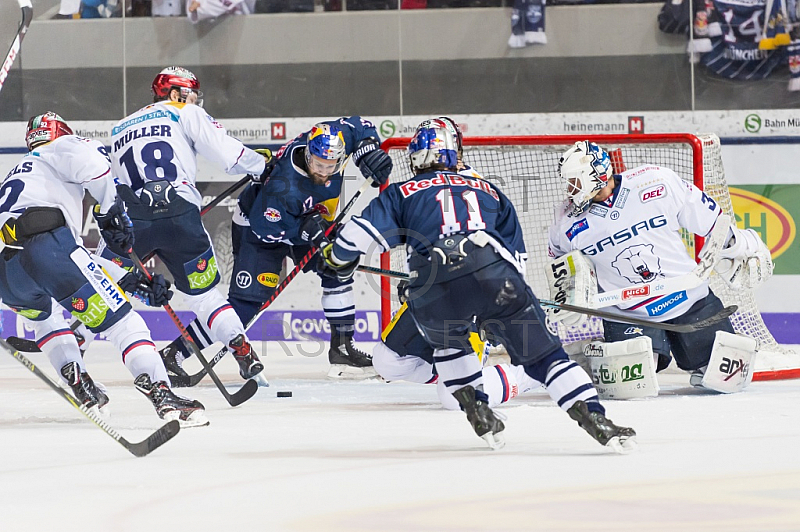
(420, 211)
(275, 209)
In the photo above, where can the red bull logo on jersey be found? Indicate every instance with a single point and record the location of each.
(653, 193)
(272, 215)
(443, 180)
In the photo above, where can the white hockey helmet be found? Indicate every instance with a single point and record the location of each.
(433, 147)
(586, 168)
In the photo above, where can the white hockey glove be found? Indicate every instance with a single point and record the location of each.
(745, 261)
(572, 280)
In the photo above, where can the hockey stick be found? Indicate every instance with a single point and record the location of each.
(142, 448)
(13, 51)
(194, 379)
(244, 393)
(29, 346)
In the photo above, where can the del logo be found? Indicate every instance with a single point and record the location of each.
(268, 279)
(771, 221)
(653, 193)
(639, 291)
(272, 215)
(666, 303)
(201, 265)
(577, 227)
(79, 304)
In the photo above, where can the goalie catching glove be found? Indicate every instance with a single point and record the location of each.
(116, 227)
(152, 292)
(269, 165)
(330, 266)
(373, 161)
(572, 280)
(745, 261)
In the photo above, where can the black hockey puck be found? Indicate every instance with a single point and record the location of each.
(284, 394)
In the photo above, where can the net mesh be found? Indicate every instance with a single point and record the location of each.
(526, 170)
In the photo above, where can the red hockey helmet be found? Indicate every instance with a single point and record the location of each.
(175, 77)
(45, 128)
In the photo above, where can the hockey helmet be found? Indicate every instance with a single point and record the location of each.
(179, 78)
(45, 128)
(454, 128)
(433, 147)
(586, 168)
(325, 150)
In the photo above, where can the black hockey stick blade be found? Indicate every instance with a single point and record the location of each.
(711, 320)
(23, 344)
(184, 382)
(142, 448)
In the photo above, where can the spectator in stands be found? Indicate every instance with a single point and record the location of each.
(198, 10)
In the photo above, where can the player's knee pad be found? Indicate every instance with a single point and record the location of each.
(55, 339)
(393, 367)
(623, 370)
(730, 368)
(202, 274)
(99, 303)
(458, 368)
(217, 315)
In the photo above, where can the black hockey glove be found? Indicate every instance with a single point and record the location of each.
(330, 268)
(269, 165)
(116, 227)
(402, 292)
(373, 161)
(154, 292)
(312, 229)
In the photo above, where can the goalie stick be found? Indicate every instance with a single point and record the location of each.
(142, 448)
(29, 346)
(197, 377)
(244, 393)
(13, 51)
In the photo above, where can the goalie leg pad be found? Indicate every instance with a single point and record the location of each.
(572, 280)
(730, 367)
(623, 370)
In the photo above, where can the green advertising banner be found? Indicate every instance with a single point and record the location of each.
(771, 211)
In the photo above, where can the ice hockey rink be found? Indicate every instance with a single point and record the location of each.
(353, 456)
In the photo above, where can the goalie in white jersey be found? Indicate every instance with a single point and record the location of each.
(154, 152)
(624, 229)
(43, 260)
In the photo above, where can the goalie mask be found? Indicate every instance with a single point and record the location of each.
(452, 125)
(325, 150)
(45, 128)
(434, 147)
(586, 168)
(180, 79)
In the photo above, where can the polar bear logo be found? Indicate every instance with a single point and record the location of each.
(638, 264)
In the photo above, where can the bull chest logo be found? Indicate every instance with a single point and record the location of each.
(272, 215)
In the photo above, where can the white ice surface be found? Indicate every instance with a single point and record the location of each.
(373, 456)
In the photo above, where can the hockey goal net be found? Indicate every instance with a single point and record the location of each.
(525, 168)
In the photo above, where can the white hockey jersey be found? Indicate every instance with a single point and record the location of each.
(633, 237)
(56, 175)
(162, 140)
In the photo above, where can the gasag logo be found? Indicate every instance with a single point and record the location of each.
(770, 220)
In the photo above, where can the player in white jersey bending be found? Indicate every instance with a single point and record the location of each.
(154, 152)
(43, 260)
(624, 229)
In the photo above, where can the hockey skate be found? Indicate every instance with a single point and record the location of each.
(173, 356)
(84, 388)
(602, 429)
(188, 412)
(249, 364)
(347, 361)
(486, 423)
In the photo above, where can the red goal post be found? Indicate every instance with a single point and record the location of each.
(525, 168)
